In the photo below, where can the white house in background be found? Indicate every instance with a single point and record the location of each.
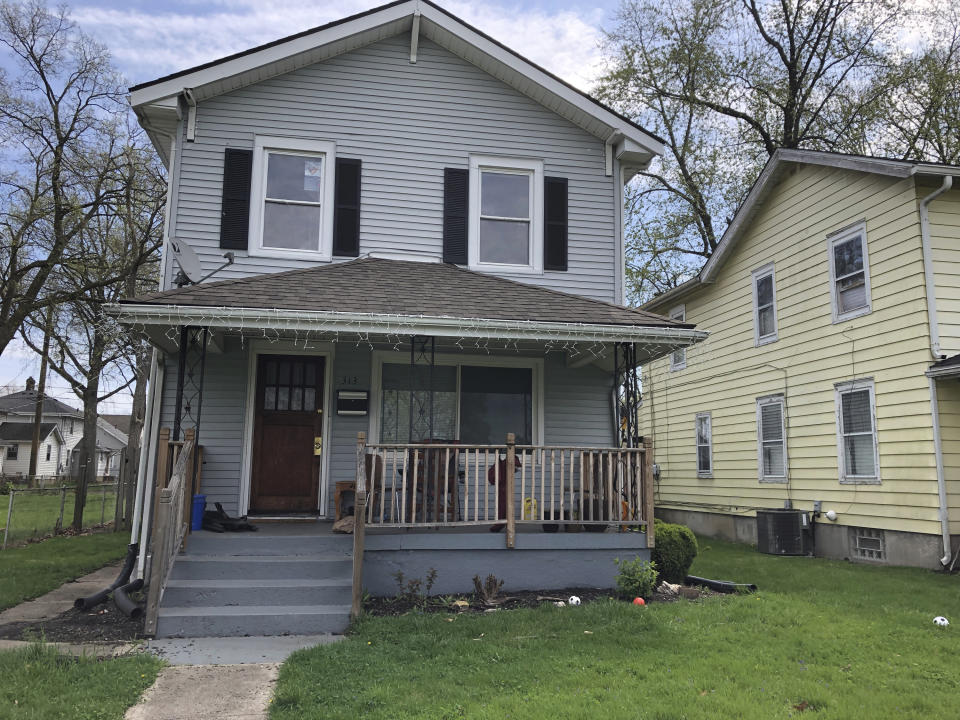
(59, 450)
(16, 439)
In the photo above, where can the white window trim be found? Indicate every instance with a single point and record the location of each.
(839, 390)
(264, 144)
(761, 402)
(508, 164)
(696, 444)
(386, 356)
(836, 238)
(756, 276)
(678, 314)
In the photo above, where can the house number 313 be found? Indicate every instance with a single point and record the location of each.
(348, 380)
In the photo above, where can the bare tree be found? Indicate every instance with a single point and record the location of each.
(58, 117)
(727, 83)
(96, 355)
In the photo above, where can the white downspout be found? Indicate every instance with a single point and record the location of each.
(928, 275)
(148, 463)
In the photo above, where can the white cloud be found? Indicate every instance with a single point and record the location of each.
(149, 44)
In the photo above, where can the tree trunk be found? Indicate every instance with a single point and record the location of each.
(87, 473)
(41, 391)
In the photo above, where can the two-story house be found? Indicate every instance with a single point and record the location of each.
(829, 380)
(61, 430)
(426, 249)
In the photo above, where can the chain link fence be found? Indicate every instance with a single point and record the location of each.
(30, 513)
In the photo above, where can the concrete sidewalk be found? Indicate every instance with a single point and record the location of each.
(208, 692)
(234, 650)
(60, 600)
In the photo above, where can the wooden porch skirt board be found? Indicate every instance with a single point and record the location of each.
(547, 561)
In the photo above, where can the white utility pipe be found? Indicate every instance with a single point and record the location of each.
(146, 442)
(147, 470)
(935, 351)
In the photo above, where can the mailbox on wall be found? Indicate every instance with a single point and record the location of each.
(353, 402)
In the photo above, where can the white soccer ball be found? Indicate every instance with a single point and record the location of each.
(941, 621)
(574, 600)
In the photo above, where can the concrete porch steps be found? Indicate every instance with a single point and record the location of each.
(258, 584)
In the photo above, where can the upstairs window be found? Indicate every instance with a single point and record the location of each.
(857, 432)
(291, 210)
(506, 201)
(678, 359)
(764, 306)
(12, 452)
(772, 439)
(849, 274)
(704, 445)
(49, 449)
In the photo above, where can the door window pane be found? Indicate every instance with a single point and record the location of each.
(495, 401)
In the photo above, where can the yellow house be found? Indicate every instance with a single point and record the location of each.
(829, 381)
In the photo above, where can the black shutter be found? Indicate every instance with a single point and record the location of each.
(554, 223)
(346, 213)
(235, 203)
(456, 191)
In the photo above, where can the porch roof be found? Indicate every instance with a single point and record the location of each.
(384, 296)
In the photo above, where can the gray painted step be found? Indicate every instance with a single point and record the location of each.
(208, 543)
(254, 620)
(261, 567)
(293, 591)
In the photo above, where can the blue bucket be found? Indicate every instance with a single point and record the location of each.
(196, 517)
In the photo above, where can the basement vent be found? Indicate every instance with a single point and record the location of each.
(868, 544)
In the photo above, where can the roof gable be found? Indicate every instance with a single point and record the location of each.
(25, 403)
(156, 102)
(23, 432)
(782, 161)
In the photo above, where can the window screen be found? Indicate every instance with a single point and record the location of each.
(403, 387)
(495, 401)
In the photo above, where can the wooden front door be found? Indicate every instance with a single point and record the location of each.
(287, 434)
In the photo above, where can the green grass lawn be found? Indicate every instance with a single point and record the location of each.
(35, 514)
(820, 639)
(39, 684)
(29, 571)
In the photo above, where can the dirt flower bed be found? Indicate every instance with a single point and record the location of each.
(104, 623)
(455, 604)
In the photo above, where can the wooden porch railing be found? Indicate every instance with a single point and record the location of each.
(171, 517)
(454, 485)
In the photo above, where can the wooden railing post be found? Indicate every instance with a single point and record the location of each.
(163, 457)
(511, 462)
(359, 524)
(648, 490)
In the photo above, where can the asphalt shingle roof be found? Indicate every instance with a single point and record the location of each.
(402, 287)
(25, 401)
(23, 432)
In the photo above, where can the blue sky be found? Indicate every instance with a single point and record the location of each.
(150, 39)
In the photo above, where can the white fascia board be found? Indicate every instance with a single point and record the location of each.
(279, 53)
(302, 320)
(434, 17)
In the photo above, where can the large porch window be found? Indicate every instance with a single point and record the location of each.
(477, 404)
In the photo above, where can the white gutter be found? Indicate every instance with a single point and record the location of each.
(935, 351)
(928, 265)
(364, 323)
(143, 512)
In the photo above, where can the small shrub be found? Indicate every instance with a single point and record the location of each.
(674, 550)
(415, 590)
(637, 578)
(487, 590)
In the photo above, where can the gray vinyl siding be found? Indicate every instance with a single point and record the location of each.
(406, 122)
(576, 412)
(221, 421)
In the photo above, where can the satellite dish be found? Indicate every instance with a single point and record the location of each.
(191, 271)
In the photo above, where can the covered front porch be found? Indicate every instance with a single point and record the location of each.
(471, 443)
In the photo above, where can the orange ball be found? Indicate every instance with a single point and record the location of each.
(639, 601)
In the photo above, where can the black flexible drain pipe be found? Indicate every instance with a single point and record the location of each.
(721, 585)
(124, 577)
(121, 598)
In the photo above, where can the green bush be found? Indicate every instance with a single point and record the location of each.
(637, 578)
(675, 547)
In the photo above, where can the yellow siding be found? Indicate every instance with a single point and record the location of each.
(945, 244)
(948, 398)
(727, 373)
